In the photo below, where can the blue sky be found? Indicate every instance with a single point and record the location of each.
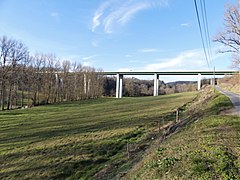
(115, 35)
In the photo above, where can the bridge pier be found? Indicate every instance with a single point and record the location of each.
(199, 82)
(85, 83)
(119, 85)
(156, 84)
(211, 81)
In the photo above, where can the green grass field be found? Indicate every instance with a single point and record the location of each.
(208, 149)
(77, 139)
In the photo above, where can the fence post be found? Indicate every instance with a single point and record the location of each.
(128, 150)
(177, 115)
(159, 127)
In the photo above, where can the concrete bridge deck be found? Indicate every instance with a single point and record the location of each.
(196, 72)
(119, 81)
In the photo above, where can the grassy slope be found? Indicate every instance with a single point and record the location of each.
(231, 83)
(206, 149)
(76, 139)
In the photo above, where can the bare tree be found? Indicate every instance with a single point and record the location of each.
(230, 37)
(66, 66)
(13, 53)
(5, 46)
(17, 56)
(41, 79)
(23, 83)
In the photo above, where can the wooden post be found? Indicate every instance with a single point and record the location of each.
(163, 126)
(128, 151)
(177, 115)
(159, 127)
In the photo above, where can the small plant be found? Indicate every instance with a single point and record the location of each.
(166, 162)
(160, 150)
(215, 161)
(152, 164)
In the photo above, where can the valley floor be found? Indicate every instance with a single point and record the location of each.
(82, 139)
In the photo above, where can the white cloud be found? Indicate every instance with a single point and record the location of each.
(54, 14)
(128, 55)
(185, 24)
(184, 61)
(128, 12)
(113, 14)
(147, 50)
(98, 13)
(193, 59)
(89, 57)
(88, 60)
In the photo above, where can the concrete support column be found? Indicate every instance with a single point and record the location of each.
(57, 81)
(89, 85)
(199, 82)
(156, 85)
(85, 83)
(119, 85)
(211, 82)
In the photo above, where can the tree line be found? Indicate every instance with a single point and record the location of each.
(30, 80)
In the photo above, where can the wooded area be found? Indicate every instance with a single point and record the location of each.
(29, 80)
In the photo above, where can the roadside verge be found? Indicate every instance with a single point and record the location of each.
(206, 145)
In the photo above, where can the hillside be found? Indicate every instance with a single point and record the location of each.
(181, 82)
(83, 139)
(231, 83)
(205, 149)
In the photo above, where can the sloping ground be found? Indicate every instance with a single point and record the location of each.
(209, 148)
(86, 139)
(231, 83)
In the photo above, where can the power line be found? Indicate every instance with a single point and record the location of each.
(200, 28)
(204, 20)
(209, 42)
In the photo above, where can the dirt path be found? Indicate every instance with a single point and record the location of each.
(235, 99)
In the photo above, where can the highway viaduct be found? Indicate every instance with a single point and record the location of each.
(119, 81)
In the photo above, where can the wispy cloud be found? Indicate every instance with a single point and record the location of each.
(88, 60)
(185, 24)
(148, 50)
(193, 59)
(113, 13)
(128, 55)
(186, 60)
(54, 14)
(89, 57)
